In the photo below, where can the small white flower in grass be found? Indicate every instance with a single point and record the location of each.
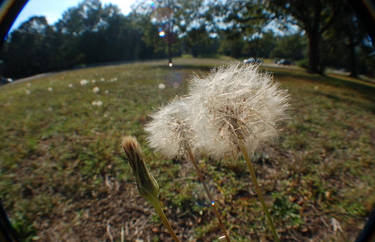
(168, 132)
(70, 85)
(50, 89)
(236, 102)
(84, 82)
(96, 89)
(161, 86)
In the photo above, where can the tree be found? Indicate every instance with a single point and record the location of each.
(200, 43)
(30, 48)
(290, 47)
(260, 45)
(347, 33)
(164, 14)
(314, 17)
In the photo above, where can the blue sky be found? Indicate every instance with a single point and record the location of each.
(53, 9)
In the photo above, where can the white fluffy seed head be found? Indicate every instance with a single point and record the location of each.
(96, 89)
(168, 132)
(235, 102)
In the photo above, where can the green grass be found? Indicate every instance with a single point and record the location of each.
(62, 176)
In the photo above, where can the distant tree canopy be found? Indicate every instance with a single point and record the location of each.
(328, 34)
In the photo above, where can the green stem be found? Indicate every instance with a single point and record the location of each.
(159, 210)
(257, 189)
(213, 204)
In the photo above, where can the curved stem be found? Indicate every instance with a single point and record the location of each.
(213, 204)
(257, 189)
(164, 219)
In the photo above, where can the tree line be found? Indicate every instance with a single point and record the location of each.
(329, 34)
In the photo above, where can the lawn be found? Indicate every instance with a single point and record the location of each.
(62, 176)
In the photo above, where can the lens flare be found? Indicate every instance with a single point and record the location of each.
(152, 4)
(161, 33)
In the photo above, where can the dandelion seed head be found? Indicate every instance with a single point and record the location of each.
(169, 132)
(84, 82)
(97, 103)
(161, 86)
(96, 89)
(236, 102)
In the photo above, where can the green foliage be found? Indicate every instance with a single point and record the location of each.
(304, 63)
(290, 47)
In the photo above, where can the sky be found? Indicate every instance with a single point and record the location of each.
(53, 9)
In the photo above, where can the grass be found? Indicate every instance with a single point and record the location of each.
(62, 178)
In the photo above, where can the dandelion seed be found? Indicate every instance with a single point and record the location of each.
(96, 90)
(50, 89)
(70, 85)
(84, 82)
(222, 237)
(236, 102)
(161, 86)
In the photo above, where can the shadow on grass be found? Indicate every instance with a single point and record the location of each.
(367, 90)
(185, 67)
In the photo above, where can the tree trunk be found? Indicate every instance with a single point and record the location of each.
(313, 52)
(353, 60)
(169, 50)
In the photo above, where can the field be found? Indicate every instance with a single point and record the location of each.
(63, 178)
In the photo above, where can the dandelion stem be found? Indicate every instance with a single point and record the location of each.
(213, 204)
(257, 189)
(164, 219)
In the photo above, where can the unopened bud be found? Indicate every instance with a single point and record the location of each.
(146, 183)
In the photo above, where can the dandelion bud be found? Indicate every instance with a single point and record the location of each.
(146, 183)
